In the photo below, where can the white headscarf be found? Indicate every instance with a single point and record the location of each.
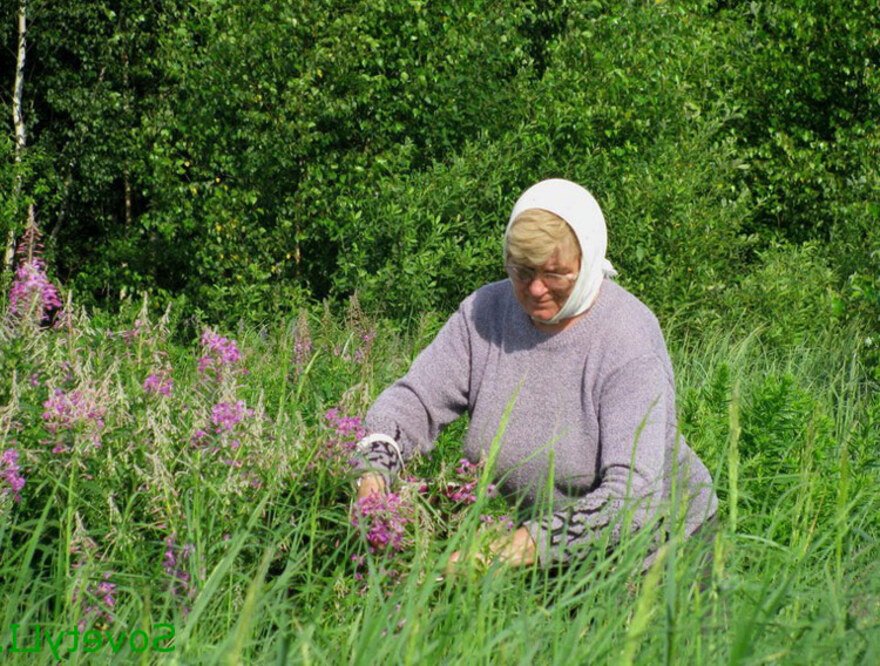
(579, 209)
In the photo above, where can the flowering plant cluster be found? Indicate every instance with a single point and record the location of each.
(302, 343)
(219, 354)
(33, 289)
(228, 421)
(10, 473)
(98, 602)
(159, 383)
(174, 565)
(338, 451)
(67, 412)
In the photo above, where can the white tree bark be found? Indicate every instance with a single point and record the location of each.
(17, 111)
(20, 134)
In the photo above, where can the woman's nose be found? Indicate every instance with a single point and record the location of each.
(537, 286)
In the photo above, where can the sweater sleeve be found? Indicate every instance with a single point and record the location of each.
(632, 430)
(432, 394)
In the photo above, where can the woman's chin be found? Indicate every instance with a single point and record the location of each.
(542, 312)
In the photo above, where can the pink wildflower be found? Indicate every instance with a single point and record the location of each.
(173, 564)
(226, 415)
(67, 411)
(160, 384)
(220, 353)
(99, 600)
(345, 426)
(347, 430)
(10, 472)
(198, 437)
(32, 288)
(384, 519)
(464, 489)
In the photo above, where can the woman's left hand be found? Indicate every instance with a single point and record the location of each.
(516, 550)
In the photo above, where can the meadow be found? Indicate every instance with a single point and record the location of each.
(228, 225)
(168, 500)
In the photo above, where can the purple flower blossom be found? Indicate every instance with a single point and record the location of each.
(173, 564)
(345, 426)
(220, 353)
(339, 450)
(99, 600)
(226, 415)
(160, 384)
(504, 521)
(67, 411)
(384, 518)
(134, 333)
(10, 472)
(464, 488)
(363, 351)
(198, 437)
(32, 288)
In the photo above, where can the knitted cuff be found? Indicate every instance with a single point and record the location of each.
(379, 453)
(548, 535)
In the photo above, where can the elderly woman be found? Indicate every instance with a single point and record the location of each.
(583, 368)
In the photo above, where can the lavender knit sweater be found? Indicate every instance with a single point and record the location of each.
(593, 416)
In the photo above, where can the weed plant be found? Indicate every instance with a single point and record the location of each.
(203, 491)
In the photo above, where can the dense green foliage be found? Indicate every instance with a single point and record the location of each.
(247, 157)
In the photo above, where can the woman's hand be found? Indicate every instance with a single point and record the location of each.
(370, 483)
(516, 550)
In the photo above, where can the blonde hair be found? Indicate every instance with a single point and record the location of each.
(536, 234)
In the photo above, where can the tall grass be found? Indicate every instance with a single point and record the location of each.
(246, 550)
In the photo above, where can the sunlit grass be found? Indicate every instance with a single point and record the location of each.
(791, 439)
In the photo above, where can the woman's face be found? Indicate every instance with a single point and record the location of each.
(536, 298)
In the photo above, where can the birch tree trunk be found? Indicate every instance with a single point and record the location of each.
(20, 137)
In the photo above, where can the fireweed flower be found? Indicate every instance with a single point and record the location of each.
(219, 353)
(71, 411)
(10, 473)
(159, 384)
(505, 521)
(173, 563)
(347, 427)
(339, 449)
(226, 415)
(383, 519)
(32, 288)
(98, 602)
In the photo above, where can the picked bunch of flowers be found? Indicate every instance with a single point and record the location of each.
(462, 489)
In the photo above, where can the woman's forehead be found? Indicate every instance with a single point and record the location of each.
(561, 261)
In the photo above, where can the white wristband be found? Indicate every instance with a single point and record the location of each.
(364, 445)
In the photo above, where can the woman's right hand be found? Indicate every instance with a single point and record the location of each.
(370, 483)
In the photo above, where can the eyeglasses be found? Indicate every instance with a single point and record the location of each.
(525, 275)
